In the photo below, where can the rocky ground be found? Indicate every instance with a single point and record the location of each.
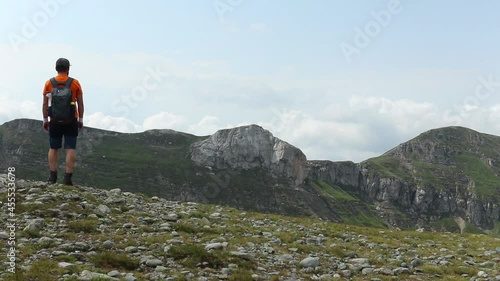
(82, 233)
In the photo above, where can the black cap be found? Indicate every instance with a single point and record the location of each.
(62, 62)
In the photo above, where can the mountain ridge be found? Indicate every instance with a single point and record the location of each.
(249, 168)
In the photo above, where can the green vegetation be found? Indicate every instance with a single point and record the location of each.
(446, 224)
(332, 191)
(387, 166)
(487, 182)
(113, 260)
(241, 275)
(41, 270)
(87, 225)
(192, 255)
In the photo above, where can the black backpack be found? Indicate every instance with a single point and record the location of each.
(62, 109)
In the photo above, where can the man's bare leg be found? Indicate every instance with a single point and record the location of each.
(52, 157)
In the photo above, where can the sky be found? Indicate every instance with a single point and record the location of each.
(341, 80)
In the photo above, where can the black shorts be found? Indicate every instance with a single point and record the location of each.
(69, 131)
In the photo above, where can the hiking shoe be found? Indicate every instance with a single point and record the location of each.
(67, 179)
(52, 177)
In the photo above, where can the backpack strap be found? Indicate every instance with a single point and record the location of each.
(56, 84)
(68, 82)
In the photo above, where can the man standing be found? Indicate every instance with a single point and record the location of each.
(66, 119)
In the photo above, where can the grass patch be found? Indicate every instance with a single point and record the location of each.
(387, 166)
(196, 214)
(446, 224)
(192, 255)
(432, 269)
(332, 191)
(487, 182)
(113, 260)
(87, 225)
(42, 270)
(186, 228)
(241, 275)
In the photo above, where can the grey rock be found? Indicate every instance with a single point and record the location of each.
(285, 257)
(487, 264)
(154, 262)
(359, 260)
(115, 191)
(35, 190)
(66, 265)
(346, 273)
(214, 246)
(351, 255)
(131, 249)
(225, 271)
(401, 270)
(161, 269)
(128, 225)
(242, 255)
(175, 241)
(130, 277)
(172, 217)
(416, 262)
(108, 244)
(310, 262)
(114, 273)
(87, 275)
(44, 240)
(59, 253)
(35, 225)
(367, 270)
(64, 206)
(383, 270)
(4, 235)
(103, 210)
(482, 274)
(81, 246)
(215, 215)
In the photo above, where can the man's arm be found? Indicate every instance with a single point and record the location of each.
(79, 101)
(45, 107)
(45, 113)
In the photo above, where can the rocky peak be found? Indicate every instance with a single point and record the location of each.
(440, 146)
(250, 147)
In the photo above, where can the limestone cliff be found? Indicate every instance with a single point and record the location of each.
(250, 147)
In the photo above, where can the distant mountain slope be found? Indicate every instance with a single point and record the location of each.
(441, 177)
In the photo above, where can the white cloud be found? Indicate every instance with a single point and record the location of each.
(164, 120)
(207, 126)
(106, 122)
(11, 108)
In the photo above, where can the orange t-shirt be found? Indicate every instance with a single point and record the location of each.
(76, 88)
